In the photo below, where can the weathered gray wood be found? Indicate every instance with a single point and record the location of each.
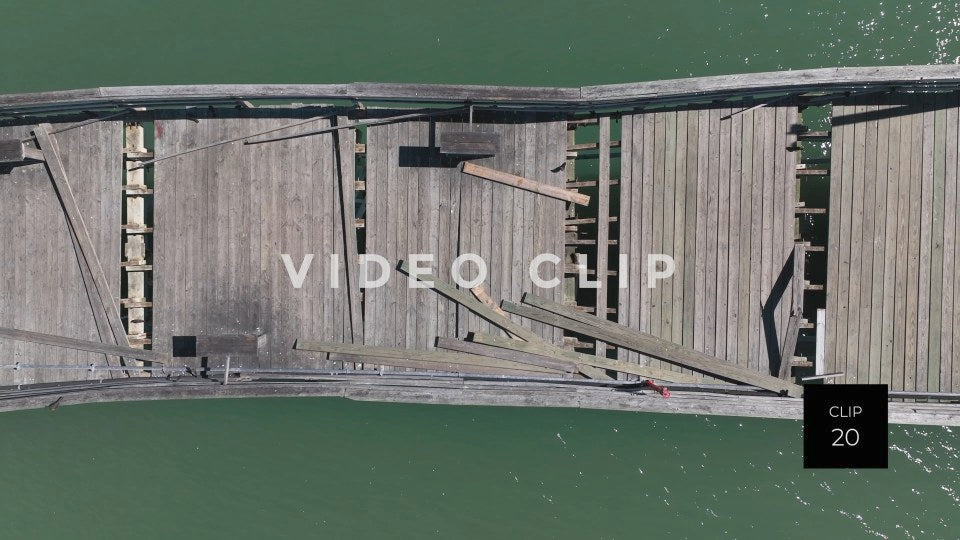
(82, 345)
(789, 345)
(421, 356)
(346, 141)
(222, 220)
(934, 314)
(603, 225)
(949, 328)
(571, 319)
(898, 232)
(15, 151)
(505, 354)
(702, 87)
(523, 183)
(586, 360)
(464, 299)
(87, 251)
(468, 143)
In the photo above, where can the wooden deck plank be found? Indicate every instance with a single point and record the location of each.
(756, 241)
(926, 248)
(916, 250)
(868, 247)
(898, 371)
(700, 283)
(949, 328)
(891, 163)
(745, 308)
(603, 225)
(937, 217)
(690, 224)
(665, 286)
(881, 157)
(723, 236)
(732, 353)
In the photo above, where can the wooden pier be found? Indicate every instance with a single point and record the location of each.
(177, 219)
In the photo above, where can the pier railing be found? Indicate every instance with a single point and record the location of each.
(584, 97)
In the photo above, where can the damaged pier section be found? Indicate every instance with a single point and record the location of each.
(127, 234)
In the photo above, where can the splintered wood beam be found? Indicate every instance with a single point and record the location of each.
(443, 357)
(588, 361)
(88, 255)
(473, 304)
(545, 311)
(470, 347)
(482, 296)
(83, 345)
(497, 317)
(789, 345)
(346, 163)
(524, 183)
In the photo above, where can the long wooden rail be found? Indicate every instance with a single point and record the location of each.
(824, 79)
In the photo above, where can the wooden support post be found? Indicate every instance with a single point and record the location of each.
(603, 226)
(548, 312)
(524, 183)
(346, 141)
(87, 254)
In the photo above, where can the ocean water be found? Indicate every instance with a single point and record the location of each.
(329, 468)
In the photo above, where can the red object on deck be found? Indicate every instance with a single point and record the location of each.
(662, 390)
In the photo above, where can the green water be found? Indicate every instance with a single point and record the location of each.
(325, 468)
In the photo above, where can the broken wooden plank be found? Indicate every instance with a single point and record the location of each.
(582, 360)
(561, 316)
(472, 304)
(83, 345)
(789, 345)
(420, 356)
(511, 355)
(87, 254)
(524, 183)
(482, 296)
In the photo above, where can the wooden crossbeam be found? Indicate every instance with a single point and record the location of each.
(548, 312)
(83, 345)
(524, 183)
(88, 255)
